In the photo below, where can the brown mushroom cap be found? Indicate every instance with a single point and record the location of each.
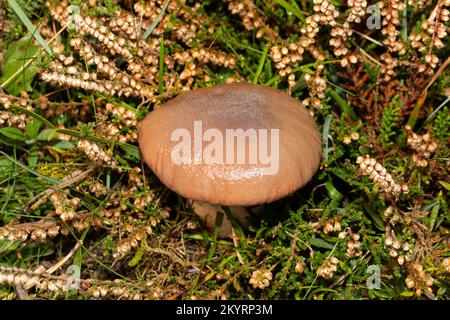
(233, 106)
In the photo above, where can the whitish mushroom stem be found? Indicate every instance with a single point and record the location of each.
(208, 215)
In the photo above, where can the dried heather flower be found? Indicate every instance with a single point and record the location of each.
(10, 119)
(353, 246)
(418, 280)
(136, 235)
(341, 33)
(205, 55)
(388, 212)
(64, 207)
(261, 279)
(354, 135)
(433, 30)
(328, 269)
(331, 226)
(288, 57)
(391, 20)
(446, 264)
(39, 230)
(388, 67)
(89, 81)
(45, 281)
(4, 25)
(94, 153)
(378, 174)
(347, 140)
(423, 145)
(251, 19)
(92, 27)
(300, 266)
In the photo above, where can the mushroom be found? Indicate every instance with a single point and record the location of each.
(234, 145)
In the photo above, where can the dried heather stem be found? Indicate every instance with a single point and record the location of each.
(378, 174)
(39, 230)
(45, 281)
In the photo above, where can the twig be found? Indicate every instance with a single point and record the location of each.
(60, 263)
(21, 293)
(44, 223)
(368, 38)
(41, 197)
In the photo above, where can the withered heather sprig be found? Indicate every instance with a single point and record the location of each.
(423, 145)
(433, 31)
(341, 32)
(390, 12)
(42, 280)
(328, 269)
(38, 230)
(251, 18)
(370, 167)
(95, 154)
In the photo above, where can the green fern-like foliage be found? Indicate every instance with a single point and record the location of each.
(389, 121)
(442, 124)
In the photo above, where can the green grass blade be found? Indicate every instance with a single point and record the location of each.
(34, 115)
(437, 109)
(326, 130)
(161, 66)
(26, 21)
(29, 169)
(404, 31)
(261, 65)
(346, 108)
(291, 9)
(152, 27)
